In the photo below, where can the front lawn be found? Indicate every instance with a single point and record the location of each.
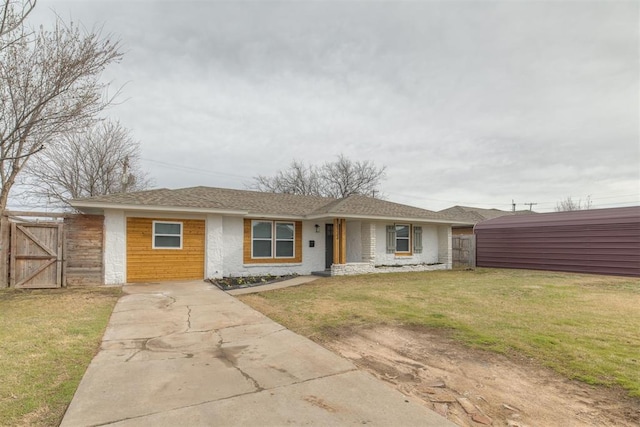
(47, 339)
(586, 327)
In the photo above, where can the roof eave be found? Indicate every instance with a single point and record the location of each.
(387, 218)
(93, 206)
(256, 215)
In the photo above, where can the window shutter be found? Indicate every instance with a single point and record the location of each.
(417, 240)
(391, 239)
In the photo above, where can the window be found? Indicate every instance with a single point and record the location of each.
(402, 238)
(167, 235)
(269, 237)
(284, 239)
(262, 239)
(399, 239)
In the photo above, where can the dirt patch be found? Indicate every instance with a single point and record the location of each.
(472, 387)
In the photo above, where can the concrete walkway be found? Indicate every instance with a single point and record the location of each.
(186, 353)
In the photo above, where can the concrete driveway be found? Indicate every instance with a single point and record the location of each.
(186, 353)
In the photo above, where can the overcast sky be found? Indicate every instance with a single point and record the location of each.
(471, 103)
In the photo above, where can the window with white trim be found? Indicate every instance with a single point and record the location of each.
(167, 235)
(285, 232)
(403, 238)
(272, 237)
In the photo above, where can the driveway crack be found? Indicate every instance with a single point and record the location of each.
(143, 348)
(225, 356)
(173, 300)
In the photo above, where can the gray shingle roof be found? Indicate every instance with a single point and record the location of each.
(260, 203)
(479, 214)
(368, 206)
(254, 202)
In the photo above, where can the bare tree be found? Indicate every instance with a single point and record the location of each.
(12, 15)
(569, 204)
(345, 177)
(49, 86)
(103, 160)
(338, 179)
(298, 179)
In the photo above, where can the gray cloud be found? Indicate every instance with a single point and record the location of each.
(464, 102)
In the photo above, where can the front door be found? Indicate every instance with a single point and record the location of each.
(328, 252)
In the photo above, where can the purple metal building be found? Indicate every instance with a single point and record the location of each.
(600, 241)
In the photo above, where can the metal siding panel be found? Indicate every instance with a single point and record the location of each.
(590, 244)
(586, 217)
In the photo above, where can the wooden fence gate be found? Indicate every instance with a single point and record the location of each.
(54, 250)
(463, 248)
(36, 255)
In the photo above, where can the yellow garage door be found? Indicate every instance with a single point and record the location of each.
(164, 249)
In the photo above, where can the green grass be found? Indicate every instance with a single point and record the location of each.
(586, 327)
(47, 339)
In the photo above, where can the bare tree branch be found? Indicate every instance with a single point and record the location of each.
(12, 20)
(50, 86)
(102, 160)
(338, 179)
(569, 204)
(298, 179)
(31, 153)
(345, 177)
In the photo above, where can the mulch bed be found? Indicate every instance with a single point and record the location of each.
(229, 283)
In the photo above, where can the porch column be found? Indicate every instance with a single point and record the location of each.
(339, 241)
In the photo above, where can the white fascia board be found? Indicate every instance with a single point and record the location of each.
(388, 218)
(152, 208)
(275, 216)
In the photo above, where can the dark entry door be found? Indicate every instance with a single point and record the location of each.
(328, 252)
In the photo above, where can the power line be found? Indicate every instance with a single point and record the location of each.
(510, 206)
(457, 202)
(191, 168)
(200, 171)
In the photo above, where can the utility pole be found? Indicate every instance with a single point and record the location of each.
(125, 174)
(530, 205)
(513, 206)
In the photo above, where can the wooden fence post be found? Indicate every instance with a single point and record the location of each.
(5, 244)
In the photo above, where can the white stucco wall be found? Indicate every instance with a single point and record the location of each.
(313, 258)
(224, 246)
(214, 250)
(232, 246)
(444, 246)
(233, 260)
(115, 250)
(368, 239)
(430, 243)
(429, 247)
(354, 241)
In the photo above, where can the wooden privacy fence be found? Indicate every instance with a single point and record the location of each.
(35, 258)
(65, 249)
(463, 251)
